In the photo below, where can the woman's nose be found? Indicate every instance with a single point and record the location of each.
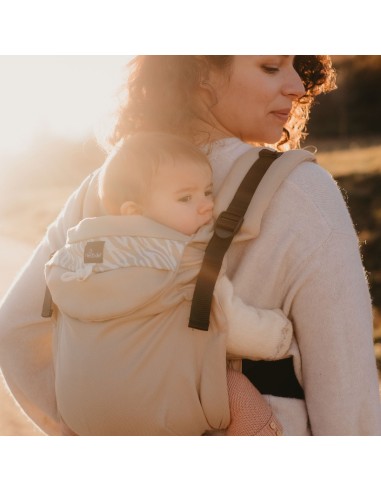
(293, 87)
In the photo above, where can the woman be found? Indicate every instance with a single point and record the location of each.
(305, 261)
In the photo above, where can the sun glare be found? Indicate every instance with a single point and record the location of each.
(55, 95)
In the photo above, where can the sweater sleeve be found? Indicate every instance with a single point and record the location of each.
(335, 340)
(251, 332)
(25, 337)
(330, 306)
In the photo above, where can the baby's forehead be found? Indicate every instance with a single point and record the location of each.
(184, 171)
(185, 165)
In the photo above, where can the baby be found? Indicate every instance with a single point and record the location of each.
(126, 361)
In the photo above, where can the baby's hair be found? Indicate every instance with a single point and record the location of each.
(128, 170)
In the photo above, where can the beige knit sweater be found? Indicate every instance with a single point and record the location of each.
(305, 261)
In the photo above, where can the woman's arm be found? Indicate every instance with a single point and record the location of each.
(330, 306)
(306, 261)
(25, 337)
(335, 340)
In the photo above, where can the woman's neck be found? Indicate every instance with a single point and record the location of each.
(205, 134)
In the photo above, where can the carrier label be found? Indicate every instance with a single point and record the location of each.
(94, 252)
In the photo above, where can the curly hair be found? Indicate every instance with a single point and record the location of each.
(162, 94)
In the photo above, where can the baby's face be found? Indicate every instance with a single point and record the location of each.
(181, 197)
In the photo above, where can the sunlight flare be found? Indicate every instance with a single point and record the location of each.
(63, 96)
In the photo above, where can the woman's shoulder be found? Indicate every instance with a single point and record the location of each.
(83, 202)
(296, 188)
(313, 188)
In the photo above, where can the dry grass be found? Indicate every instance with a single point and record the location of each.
(354, 157)
(29, 211)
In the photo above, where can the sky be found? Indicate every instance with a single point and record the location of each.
(65, 96)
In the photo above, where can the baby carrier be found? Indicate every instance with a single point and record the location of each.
(126, 362)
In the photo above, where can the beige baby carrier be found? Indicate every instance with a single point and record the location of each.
(126, 361)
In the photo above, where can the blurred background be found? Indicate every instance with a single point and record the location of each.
(345, 127)
(52, 106)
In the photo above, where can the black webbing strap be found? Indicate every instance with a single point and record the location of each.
(227, 225)
(273, 377)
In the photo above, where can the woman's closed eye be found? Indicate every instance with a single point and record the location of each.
(270, 68)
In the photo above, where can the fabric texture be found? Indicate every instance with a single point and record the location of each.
(252, 414)
(125, 361)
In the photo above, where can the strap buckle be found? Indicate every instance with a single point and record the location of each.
(227, 224)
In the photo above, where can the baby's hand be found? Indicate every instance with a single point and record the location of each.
(251, 332)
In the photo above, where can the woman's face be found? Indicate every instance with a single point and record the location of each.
(253, 101)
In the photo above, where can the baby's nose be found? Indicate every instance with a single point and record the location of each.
(206, 205)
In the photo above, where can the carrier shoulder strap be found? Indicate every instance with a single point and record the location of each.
(226, 227)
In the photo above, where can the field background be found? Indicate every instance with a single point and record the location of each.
(345, 128)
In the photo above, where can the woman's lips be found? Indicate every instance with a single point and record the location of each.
(281, 115)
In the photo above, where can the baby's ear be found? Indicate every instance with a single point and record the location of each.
(130, 208)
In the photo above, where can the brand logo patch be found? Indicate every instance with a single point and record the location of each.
(94, 252)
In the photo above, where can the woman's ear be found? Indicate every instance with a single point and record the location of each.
(130, 208)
